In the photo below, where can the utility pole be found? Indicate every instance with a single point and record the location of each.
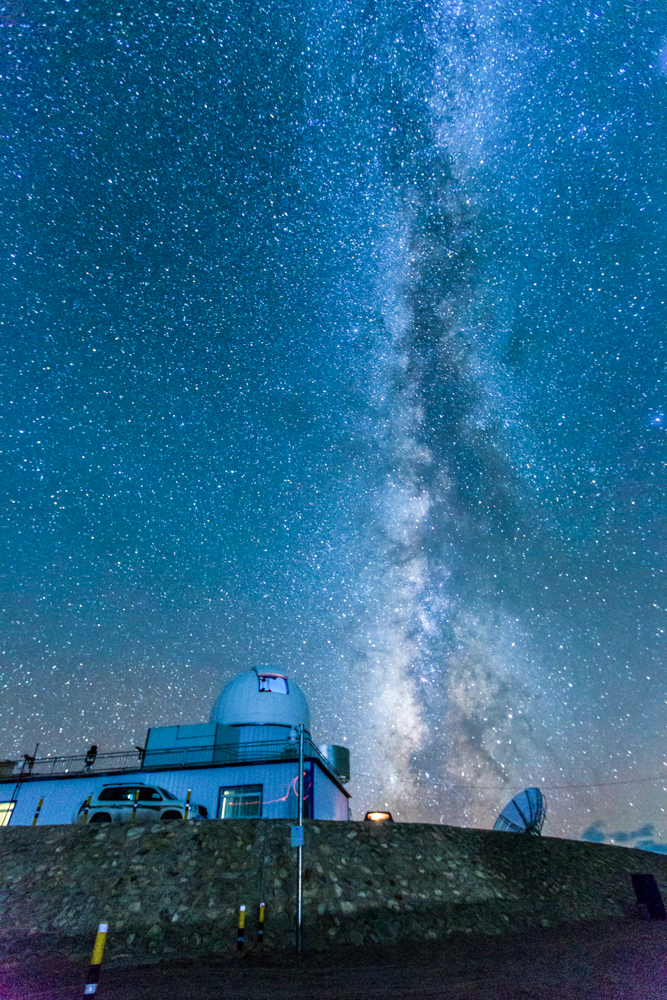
(299, 879)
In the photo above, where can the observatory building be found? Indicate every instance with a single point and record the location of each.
(242, 763)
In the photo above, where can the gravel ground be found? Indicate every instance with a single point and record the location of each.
(624, 960)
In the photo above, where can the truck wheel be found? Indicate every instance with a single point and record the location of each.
(171, 814)
(100, 818)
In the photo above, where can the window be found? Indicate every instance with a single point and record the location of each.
(6, 810)
(149, 795)
(125, 793)
(276, 683)
(117, 793)
(168, 795)
(241, 802)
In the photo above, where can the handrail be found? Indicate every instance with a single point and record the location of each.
(157, 759)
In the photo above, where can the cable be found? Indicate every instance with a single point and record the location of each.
(553, 788)
(549, 788)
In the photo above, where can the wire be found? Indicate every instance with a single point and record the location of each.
(549, 788)
(553, 788)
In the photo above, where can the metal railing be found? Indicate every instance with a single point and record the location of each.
(41, 767)
(167, 759)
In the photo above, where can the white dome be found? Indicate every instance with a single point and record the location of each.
(261, 697)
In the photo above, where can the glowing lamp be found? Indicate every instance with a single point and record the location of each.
(378, 816)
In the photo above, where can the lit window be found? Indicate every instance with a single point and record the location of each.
(6, 810)
(241, 802)
(276, 683)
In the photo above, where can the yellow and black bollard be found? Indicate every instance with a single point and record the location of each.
(39, 809)
(187, 803)
(86, 807)
(134, 805)
(241, 929)
(260, 928)
(96, 960)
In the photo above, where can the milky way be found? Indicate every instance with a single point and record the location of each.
(334, 338)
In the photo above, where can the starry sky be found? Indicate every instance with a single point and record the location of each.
(333, 337)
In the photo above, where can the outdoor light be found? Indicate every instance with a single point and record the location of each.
(378, 816)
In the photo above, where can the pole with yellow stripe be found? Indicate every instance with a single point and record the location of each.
(241, 930)
(86, 807)
(96, 960)
(134, 805)
(39, 809)
(260, 928)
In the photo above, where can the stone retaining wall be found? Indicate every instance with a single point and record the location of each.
(173, 889)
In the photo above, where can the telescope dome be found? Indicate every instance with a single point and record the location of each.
(263, 696)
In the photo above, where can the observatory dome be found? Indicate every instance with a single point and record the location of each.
(264, 696)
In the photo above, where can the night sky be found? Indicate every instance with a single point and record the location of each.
(333, 337)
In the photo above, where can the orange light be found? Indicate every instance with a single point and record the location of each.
(377, 816)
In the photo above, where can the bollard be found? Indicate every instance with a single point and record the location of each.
(86, 807)
(96, 960)
(241, 930)
(39, 809)
(260, 928)
(134, 806)
(187, 804)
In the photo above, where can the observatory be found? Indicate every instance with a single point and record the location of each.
(243, 701)
(241, 764)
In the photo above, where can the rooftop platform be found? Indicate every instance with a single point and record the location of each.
(77, 765)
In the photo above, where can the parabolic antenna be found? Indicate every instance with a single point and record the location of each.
(524, 814)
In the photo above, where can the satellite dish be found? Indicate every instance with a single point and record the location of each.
(524, 814)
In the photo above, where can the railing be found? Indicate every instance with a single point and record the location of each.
(41, 767)
(156, 759)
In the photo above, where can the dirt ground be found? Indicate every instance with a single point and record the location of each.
(624, 960)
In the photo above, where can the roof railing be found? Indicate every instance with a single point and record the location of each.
(157, 759)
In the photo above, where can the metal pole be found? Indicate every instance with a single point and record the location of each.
(96, 960)
(299, 883)
(39, 809)
(240, 934)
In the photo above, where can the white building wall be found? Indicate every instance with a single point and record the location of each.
(330, 803)
(62, 796)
